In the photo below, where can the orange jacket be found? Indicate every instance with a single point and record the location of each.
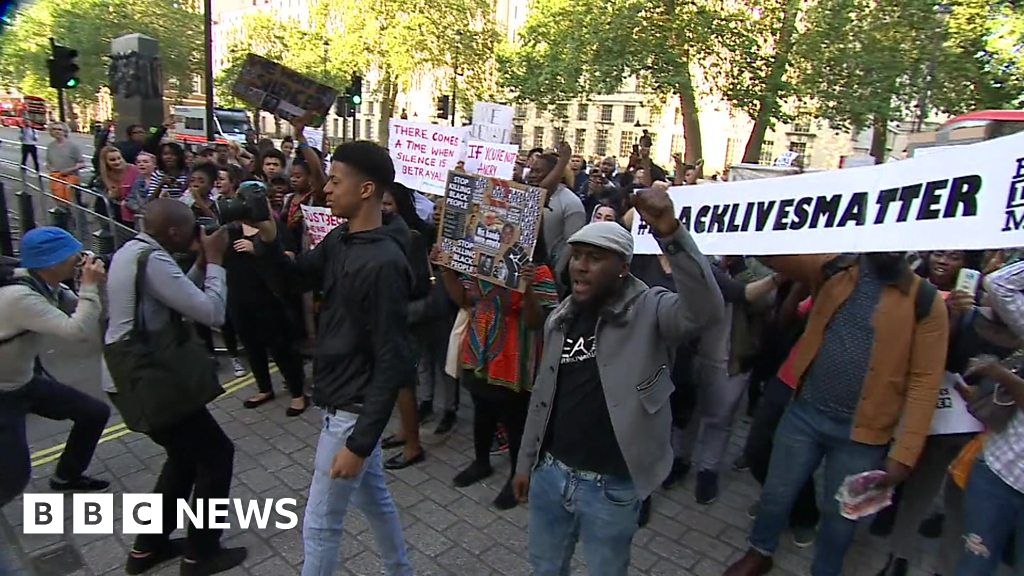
(908, 358)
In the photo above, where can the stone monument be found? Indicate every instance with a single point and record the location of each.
(135, 78)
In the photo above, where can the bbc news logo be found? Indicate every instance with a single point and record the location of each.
(143, 513)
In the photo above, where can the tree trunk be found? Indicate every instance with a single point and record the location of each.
(691, 121)
(879, 137)
(768, 102)
(388, 96)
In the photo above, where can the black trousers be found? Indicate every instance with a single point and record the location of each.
(493, 404)
(28, 150)
(758, 450)
(48, 398)
(200, 459)
(259, 349)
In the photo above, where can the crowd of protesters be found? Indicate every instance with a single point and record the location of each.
(608, 378)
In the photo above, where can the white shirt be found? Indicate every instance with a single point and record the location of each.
(28, 135)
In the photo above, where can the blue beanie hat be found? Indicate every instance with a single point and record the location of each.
(47, 246)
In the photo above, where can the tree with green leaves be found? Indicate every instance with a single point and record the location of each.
(869, 62)
(88, 26)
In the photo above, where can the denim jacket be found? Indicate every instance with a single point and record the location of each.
(637, 336)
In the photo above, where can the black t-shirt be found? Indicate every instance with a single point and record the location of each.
(580, 433)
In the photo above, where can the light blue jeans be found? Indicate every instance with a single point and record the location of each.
(329, 501)
(567, 505)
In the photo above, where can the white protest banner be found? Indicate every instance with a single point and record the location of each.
(492, 122)
(787, 159)
(951, 415)
(319, 222)
(424, 153)
(965, 198)
(489, 159)
(314, 137)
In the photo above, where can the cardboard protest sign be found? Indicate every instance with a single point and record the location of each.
(492, 123)
(937, 202)
(489, 159)
(314, 137)
(319, 222)
(283, 92)
(424, 153)
(489, 227)
(951, 415)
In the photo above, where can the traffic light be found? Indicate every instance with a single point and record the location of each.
(355, 91)
(341, 106)
(63, 68)
(443, 103)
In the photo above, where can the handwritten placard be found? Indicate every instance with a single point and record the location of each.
(489, 227)
(492, 122)
(489, 159)
(319, 222)
(424, 153)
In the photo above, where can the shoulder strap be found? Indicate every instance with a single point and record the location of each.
(837, 265)
(926, 293)
(139, 319)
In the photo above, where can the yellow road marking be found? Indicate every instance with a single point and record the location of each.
(47, 455)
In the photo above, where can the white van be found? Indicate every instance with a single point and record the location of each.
(228, 124)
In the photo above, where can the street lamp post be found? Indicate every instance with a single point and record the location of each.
(326, 45)
(455, 75)
(208, 81)
(942, 10)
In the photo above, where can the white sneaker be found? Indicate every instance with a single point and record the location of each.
(238, 367)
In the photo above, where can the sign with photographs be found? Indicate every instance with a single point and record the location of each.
(283, 92)
(489, 227)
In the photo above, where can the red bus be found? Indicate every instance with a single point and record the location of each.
(968, 129)
(14, 110)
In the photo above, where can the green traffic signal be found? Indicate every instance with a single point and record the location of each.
(72, 82)
(357, 99)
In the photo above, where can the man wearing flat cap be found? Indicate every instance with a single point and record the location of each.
(597, 436)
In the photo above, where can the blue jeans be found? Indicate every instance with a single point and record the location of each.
(993, 511)
(567, 505)
(805, 436)
(329, 500)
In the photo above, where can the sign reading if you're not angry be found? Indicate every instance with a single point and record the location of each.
(966, 198)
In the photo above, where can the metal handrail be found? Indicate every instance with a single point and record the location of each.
(116, 229)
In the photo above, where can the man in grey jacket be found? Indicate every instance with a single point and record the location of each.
(597, 435)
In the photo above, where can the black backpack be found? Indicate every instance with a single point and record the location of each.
(926, 293)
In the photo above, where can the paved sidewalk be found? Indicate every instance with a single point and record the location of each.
(450, 531)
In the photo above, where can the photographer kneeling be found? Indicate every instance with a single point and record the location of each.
(163, 377)
(262, 309)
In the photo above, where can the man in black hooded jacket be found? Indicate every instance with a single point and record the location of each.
(362, 354)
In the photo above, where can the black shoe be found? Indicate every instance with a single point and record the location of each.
(446, 424)
(392, 441)
(293, 412)
(473, 474)
(81, 484)
(221, 561)
(506, 499)
(680, 468)
(894, 567)
(645, 513)
(251, 403)
(931, 527)
(399, 461)
(425, 411)
(741, 464)
(137, 565)
(707, 487)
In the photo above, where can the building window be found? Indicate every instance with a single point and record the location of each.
(802, 124)
(580, 140)
(767, 152)
(559, 135)
(582, 111)
(561, 111)
(337, 132)
(538, 113)
(803, 149)
(601, 148)
(517, 134)
(626, 144)
(629, 114)
(368, 130)
(538, 137)
(520, 110)
(369, 108)
(731, 146)
(606, 113)
(677, 143)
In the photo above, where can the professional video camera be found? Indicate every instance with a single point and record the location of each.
(249, 203)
